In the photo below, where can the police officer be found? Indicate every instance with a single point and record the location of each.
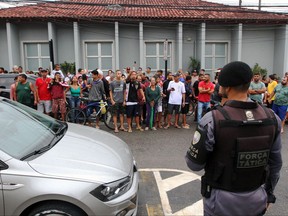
(239, 147)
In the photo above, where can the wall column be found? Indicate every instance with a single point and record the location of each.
(76, 45)
(200, 44)
(180, 45)
(285, 66)
(13, 46)
(117, 53)
(239, 42)
(141, 45)
(52, 36)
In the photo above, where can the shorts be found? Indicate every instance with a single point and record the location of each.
(132, 110)
(175, 107)
(117, 108)
(44, 106)
(58, 104)
(280, 110)
(185, 109)
(159, 108)
(91, 108)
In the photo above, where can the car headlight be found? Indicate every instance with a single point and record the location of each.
(112, 190)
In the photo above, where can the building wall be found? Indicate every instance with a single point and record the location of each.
(4, 60)
(265, 45)
(128, 46)
(189, 41)
(258, 46)
(236, 40)
(218, 33)
(65, 44)
(160, 33)
(15, 47)
(281, 46)
(33, 32)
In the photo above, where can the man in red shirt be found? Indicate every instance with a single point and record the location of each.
(43, 92)
(206, 89)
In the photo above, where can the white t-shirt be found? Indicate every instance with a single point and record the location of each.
(54, 71)
(176, 96)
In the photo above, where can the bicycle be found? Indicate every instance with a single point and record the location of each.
(194, 104)
(80, 114)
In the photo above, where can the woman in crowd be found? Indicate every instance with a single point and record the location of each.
(152, 94)
(159, 105)
(57, 88)
(75, 91)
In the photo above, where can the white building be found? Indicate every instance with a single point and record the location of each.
(114, 34)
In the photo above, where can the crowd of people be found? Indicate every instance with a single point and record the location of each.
(152, 101)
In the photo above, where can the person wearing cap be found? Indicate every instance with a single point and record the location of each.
(239, 147)
(44, 104)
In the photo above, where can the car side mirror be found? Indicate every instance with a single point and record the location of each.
(3, 166)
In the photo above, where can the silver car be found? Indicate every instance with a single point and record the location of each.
(48, 167)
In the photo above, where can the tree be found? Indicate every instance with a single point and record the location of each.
(68, 67)
(194, 64)
(259, 69)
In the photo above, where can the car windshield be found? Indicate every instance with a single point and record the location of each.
(24, 130)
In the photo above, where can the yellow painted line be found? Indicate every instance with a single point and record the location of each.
(145, 177)
(154, 210)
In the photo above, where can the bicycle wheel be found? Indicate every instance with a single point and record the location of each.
(76, 115)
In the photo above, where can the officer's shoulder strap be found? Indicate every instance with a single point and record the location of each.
(222, 111)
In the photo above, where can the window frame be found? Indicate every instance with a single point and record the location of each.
(213, 56)
(85, 59)
(25, 58)
(157, 56)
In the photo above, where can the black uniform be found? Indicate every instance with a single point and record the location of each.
(235, 144)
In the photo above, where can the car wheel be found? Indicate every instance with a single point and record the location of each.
(56, 209)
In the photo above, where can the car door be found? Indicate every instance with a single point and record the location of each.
(2, 167)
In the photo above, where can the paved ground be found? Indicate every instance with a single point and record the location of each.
(167, 186)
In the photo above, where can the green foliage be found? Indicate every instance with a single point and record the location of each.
(68, 67)
(259, 69)
(194, 64)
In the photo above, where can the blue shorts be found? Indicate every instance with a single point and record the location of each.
(280, 110)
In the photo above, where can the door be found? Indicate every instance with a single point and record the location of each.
(1, 197)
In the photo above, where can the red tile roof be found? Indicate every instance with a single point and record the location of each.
(135, 10)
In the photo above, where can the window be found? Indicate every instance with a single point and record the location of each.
(99, 55)
(155, 55)
(215, 56)
(36, 55)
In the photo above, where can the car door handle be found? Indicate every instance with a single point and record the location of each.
(11, 186)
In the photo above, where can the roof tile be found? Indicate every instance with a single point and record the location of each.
(170, 10)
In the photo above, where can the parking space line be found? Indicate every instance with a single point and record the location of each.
(154, 210)
(163, 195)
(176, 181)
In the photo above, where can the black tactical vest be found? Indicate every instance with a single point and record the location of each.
(244, 133)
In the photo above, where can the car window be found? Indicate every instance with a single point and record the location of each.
(24, 130)
(6, 82)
